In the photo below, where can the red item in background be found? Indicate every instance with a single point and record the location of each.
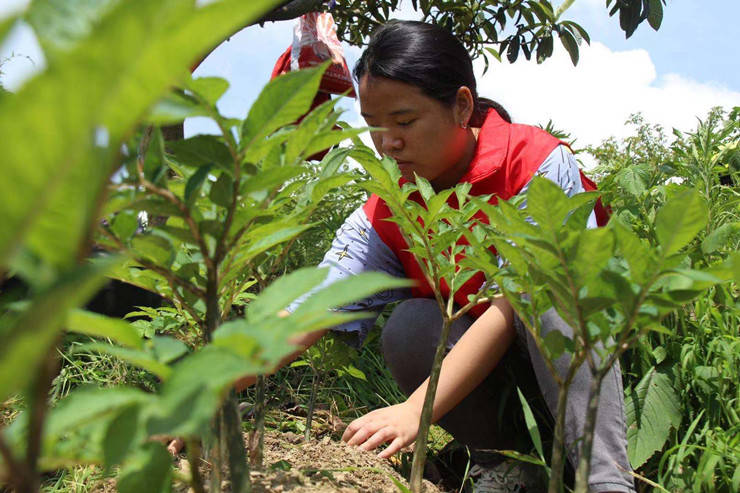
(315, 41)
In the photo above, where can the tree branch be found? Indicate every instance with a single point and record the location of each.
(292, 9)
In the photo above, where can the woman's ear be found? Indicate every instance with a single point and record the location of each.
(463, 109)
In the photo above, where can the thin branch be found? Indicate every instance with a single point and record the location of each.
(18, 472)
(292, 9)
(172, 198)
(172, 279)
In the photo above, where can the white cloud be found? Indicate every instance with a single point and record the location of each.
(594, 99)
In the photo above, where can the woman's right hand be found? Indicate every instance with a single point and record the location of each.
(396, 424)
(175, 446)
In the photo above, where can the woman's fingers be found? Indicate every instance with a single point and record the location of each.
(361, 435)
(378, 438)
(175, 446)
(395, 446)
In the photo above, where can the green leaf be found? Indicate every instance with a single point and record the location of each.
(86, 404)
(133, 356)
(570, 44)
(120, 435)
(191, 397)
(637, 252)
(60, 25)
(655, 13)
(534, 431)
(720, 237)
(283, 292)
(26, 338)
(71, 120)
(281, 102)
(222, 191)
(425, 188)
(269, 235)
(155, 248)
(201, 150)
(652, 408)
(556, 343)
(595, 248)
(350, 289)
(148, 471)
(546, 203)
(96, 325)
(168, 349)
(194, 184)
(125, 224)
(321, 188)
(209, 88)
(270, 179)
(326, 140)
(633, 179)
(679, 220)
(175, 108)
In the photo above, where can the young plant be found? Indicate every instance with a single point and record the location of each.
(326, 356)
(434, 231)
(606, 283)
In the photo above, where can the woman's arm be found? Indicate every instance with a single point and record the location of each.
(468, 363)
(301, 341)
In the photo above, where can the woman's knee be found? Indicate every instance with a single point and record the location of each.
(409, 338)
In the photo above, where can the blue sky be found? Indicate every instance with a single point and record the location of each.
(672, 76)
(698, 38)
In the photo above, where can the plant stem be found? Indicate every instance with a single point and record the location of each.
(237, 456)
(311, 404)
(193, 447)
(37, 412)
(420, 446)
(584, 462)
(257, 437)
(17, 473)
(557, 459)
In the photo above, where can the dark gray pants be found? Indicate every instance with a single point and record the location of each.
(490, 417)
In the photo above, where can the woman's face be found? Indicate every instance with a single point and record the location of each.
(422, 134)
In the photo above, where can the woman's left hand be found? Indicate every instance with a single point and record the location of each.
(396, 424)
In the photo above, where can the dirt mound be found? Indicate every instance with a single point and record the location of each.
(325, 465)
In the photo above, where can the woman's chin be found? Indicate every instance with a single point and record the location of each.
(407, 171)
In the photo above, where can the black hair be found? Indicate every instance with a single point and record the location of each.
(426, 56)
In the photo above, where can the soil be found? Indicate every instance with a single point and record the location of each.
(295, 466)
(324, 465)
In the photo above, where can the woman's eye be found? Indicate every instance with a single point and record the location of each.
(406, 123)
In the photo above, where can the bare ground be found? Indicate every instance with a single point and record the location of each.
(324, 465)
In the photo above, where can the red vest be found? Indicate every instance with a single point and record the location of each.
(506, 158)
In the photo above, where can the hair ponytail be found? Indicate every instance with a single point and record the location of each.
(481, 110)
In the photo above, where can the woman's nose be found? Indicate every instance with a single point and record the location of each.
(390, 143)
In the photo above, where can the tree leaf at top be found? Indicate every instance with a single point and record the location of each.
(281, 102)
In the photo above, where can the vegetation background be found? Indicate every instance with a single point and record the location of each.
(681, 383)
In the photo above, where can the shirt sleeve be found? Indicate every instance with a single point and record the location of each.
(358, 248)
(561, 167)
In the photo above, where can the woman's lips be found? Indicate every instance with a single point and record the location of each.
(404, 165)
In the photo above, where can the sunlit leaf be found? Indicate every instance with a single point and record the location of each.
(679, 220)
(652, 409)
